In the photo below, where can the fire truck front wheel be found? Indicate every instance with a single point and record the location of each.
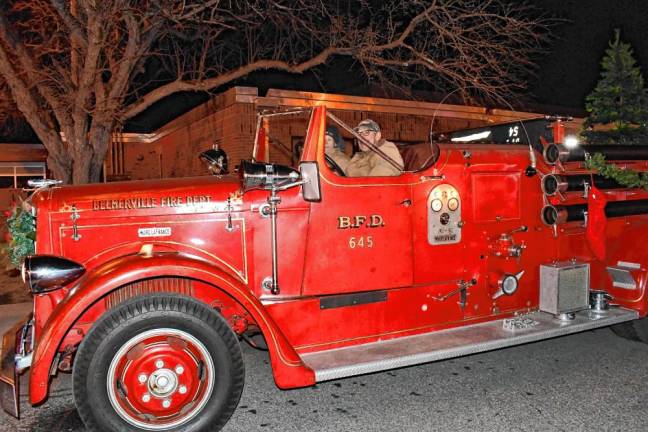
(158, 362)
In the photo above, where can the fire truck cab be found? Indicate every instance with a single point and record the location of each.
(143, 290)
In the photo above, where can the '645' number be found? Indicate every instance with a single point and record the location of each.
(361, 242)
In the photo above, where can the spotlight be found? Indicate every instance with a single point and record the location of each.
(571, 141)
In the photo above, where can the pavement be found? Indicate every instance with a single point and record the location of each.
(593, 381)
(10, 313)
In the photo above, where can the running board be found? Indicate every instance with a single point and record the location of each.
(455, 342)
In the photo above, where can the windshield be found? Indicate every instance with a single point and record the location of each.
(411, 155)
(281, 135)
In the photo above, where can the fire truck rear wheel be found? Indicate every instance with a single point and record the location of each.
(636, 330)
(158, 362)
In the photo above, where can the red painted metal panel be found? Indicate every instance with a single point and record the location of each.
(132, 268)
(359, 236)
(496, 196)
(292, 222)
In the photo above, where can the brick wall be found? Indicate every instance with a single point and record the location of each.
(176, 153)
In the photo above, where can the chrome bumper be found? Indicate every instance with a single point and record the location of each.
(15, 357)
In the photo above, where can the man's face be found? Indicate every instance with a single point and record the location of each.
(372, 136)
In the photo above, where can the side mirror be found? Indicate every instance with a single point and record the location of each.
(216, 160)
(311, 189)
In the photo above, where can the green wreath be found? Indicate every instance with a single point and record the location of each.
(22, 229)
(624, 176)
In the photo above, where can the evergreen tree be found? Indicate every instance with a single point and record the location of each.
(618, 106)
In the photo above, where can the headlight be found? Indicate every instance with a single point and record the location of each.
(257, 175)
(43, 273)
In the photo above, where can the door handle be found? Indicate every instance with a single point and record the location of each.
(406, 202)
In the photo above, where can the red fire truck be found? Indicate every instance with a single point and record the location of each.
(143, 290)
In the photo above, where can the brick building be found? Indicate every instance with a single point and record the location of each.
(19, 163)
(230, 120)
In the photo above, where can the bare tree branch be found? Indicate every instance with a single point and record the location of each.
(206, 84)
(84, 67)
(76, 31)
(28, 66)
(28, 105)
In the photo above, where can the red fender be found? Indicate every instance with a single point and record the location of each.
(288, 369)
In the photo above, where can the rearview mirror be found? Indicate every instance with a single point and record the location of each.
(311, 189)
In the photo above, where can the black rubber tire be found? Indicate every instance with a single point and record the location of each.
(147, 312)
(636, 330)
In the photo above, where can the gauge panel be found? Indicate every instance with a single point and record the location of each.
(444, 215)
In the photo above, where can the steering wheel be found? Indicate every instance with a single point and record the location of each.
(334, 166)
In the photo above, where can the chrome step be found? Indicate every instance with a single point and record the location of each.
(456, 342)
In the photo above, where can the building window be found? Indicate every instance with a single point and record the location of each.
(14, 175)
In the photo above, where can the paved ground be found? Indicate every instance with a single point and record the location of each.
(593, 381)
(12, 288)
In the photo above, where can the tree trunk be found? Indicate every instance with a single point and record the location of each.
(100, 137)
(83, 160)
(81, 164)
(61, 170)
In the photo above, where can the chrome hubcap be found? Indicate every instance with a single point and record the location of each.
(162, 383)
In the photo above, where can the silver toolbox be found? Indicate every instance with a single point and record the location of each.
(564, 287)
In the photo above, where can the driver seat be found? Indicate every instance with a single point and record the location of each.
(417, 157)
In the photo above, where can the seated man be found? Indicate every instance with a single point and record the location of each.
(333, 146)
(369, 163)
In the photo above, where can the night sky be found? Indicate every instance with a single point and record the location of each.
(570, 71)
(566, 73)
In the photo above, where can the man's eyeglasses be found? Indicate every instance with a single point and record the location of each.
(365, 132)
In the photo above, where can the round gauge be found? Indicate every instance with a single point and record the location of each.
(437, 205)
(453, 204)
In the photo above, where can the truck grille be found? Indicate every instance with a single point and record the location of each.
(175, 285)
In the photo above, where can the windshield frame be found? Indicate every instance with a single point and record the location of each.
(264, 115)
